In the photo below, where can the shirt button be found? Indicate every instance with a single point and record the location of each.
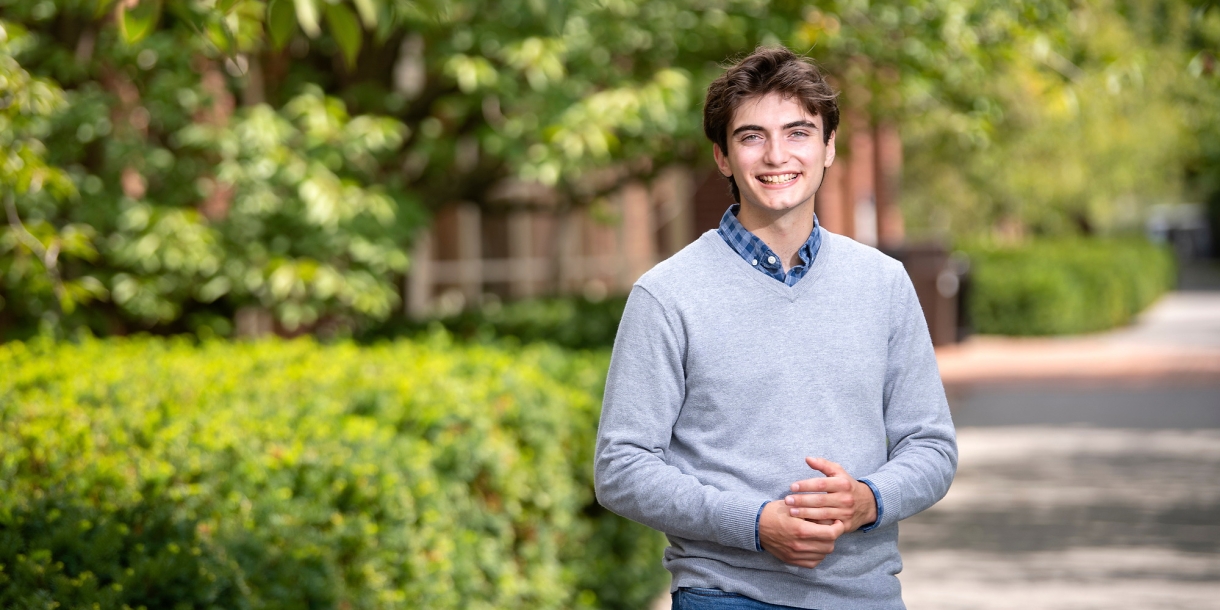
(754, 262)
(771, 259)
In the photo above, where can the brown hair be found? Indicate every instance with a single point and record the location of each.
(767, 70)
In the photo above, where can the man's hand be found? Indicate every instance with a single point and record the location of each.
(794, 540)
(802, 529)
(842, 499)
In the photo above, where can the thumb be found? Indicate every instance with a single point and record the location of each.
(826, 467)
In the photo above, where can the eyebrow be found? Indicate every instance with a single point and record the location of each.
(801, 123)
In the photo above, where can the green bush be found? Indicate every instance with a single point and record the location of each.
(1063, 287)
(163, 473)
(571, 322)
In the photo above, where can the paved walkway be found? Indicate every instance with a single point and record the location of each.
(1179, 336)
(1089, 472)
(1060, 518)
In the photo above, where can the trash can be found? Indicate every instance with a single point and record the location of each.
(941, 281)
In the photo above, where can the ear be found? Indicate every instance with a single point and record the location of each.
(722, 161)
(830, 150)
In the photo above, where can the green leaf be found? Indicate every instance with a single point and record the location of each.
(102, 7)
(219, 34)
(225, 6)
(281, 23)
(346, 31)
(196, 21)
(230, 34)
(307, 16)
(138, 21)
(368, 12)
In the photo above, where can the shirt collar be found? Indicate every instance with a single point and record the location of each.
(755, 252)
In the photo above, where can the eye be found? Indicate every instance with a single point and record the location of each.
(800, 133)
(750, 137)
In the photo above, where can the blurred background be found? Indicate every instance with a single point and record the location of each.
(428, 214)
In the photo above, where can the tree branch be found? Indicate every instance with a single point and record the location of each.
(49, 256)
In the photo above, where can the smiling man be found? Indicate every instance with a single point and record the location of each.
(773, 403)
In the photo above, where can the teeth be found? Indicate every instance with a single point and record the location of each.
(778, 179)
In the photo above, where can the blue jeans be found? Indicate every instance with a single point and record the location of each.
(698, 598)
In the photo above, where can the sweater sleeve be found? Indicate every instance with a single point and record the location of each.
(645, 389)
(919, 430)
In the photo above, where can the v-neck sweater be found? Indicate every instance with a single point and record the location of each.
(723, 380)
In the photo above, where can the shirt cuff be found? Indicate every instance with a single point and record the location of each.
(880, 507)
(757, 522)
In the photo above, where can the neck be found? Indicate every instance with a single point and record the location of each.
(784, 232)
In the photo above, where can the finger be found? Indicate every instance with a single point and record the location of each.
(826, 484)
(818, 532)
(827, 467)
(838, 528)
(825, 516)
(804, 564)
(840, 498)
(814, 550)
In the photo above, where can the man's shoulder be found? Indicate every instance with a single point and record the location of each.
(854, 259)
(693, 265)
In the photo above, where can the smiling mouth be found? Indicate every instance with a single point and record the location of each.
(777, 178)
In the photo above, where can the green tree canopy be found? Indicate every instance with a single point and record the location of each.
(196, 157)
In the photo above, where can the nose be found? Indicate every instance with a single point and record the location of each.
(774, 153)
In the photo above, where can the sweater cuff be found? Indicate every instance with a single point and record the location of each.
(888, 492)
(880, 507)
(738, 523)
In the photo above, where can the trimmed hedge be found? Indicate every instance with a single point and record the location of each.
(1040, 288)
(166, 474)
(571, 322)
(1064, 287)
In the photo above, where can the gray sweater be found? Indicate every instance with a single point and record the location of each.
(723, 380)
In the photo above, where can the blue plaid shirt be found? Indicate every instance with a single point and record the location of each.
(755, 252)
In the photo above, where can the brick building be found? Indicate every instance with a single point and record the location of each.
(521, 244)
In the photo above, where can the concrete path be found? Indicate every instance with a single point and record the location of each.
(1179, 336)
(1071, 519)
(1162, 372)
(1089, 472)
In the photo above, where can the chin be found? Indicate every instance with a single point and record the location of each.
(778, 206)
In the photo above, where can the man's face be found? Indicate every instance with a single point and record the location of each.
(776, 153)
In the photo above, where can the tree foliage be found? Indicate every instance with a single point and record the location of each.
(1083, 127)
(180, 121)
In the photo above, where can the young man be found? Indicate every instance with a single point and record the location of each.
(761, 353)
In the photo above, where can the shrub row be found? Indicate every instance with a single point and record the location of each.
(571, 322)
(1041, 288)
(163, 473)
(1063, 287)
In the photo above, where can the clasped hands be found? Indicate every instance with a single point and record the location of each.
(802, 528)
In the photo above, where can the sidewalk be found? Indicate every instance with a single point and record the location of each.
(1178, 337)
(1071, 518)
(1087, 474)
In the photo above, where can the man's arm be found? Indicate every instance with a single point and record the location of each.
(919, 430)
(645, 389)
